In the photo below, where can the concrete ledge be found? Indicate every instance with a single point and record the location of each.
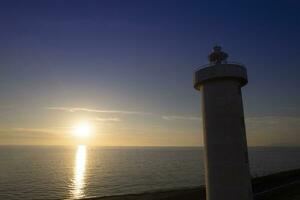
(271, 187)
(220, 71)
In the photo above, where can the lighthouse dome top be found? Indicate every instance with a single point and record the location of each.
(217, 56)
(220, 69)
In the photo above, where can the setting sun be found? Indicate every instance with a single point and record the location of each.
(82, 129)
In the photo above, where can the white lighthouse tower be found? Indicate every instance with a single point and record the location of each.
(226, 156)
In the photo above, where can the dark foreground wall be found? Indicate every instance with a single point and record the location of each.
(279, 186)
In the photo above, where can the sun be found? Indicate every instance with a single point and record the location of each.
(82, 129)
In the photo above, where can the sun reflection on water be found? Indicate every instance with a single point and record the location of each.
(79, 172)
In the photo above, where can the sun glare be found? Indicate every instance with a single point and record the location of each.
(82, 130)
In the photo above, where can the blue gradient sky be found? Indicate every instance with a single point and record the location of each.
(136, 58)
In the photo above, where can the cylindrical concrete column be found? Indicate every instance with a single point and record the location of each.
(225, 145)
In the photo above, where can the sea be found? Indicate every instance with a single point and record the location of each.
(74, 172)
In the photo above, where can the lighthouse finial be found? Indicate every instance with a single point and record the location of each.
(217, 56)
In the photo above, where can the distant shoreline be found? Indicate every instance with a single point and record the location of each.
(279, 186)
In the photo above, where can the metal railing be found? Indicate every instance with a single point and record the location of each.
(224, 62)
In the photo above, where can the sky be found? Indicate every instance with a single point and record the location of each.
(126, 67)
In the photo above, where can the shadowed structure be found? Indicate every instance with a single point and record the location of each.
(226, 156)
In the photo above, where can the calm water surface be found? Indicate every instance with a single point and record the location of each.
(76, 172)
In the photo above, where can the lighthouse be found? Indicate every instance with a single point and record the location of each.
(227, 173)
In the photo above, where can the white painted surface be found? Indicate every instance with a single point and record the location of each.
(226, 156)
